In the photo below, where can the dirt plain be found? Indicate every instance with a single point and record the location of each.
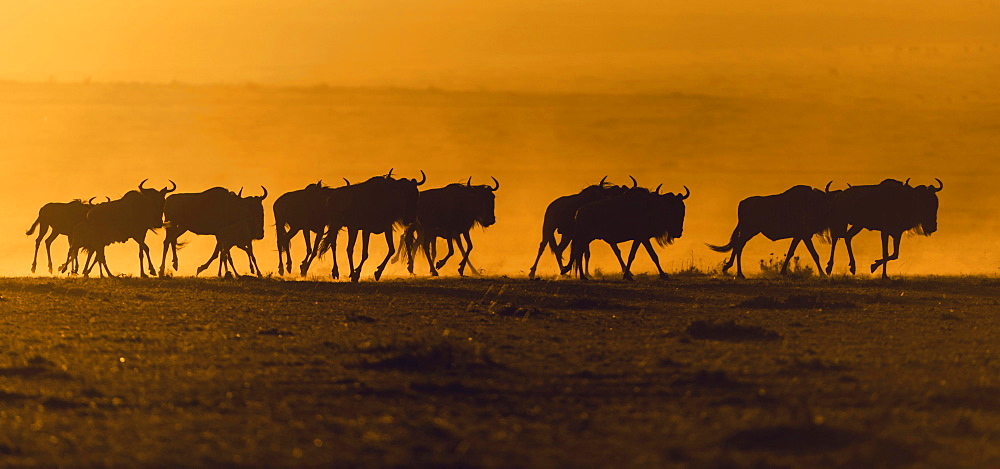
(697, 371)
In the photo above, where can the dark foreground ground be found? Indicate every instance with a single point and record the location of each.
(692, 372)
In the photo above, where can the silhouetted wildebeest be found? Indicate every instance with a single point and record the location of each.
(239, 234)
(638, 215)
(217, 212)
(373, 206)
(61, 218)
(559, 217)
(449, 212)
(891, 208)
(798, 213)
(302, 210)
(117, 221)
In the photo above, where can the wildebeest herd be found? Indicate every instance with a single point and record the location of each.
(379, 205)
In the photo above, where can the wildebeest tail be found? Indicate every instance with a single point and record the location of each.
(33, 226)
(727, 247)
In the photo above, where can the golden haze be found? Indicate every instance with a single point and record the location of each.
(729, 98)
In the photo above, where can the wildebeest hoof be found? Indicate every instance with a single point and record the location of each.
(378, 275)
(664, 276)
(874, 267)
(434, 273)
(627, 276)
(440, 264)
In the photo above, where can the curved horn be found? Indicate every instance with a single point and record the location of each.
(141, 183)
(390, 173)
(240, 193)
(91, 201)
(657, 191)
(827, 188)
(496, 184)
(602, 181)
(634, 183)
(849, 185)
(423, 178)
(687, 193)
(265, 193)
(940, 185)
(907, 182)
(172, 188)
(347, 182)
(469, 182)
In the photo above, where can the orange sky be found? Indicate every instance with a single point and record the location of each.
(448, 42)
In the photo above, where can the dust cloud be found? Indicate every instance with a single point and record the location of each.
(747, 102)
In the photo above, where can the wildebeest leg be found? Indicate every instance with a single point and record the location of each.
(280, 236)
(655, 258)
(738, 255)
(884, 261)
(48, 249)
(391, 249)
(848, 241)
(429, 247)
(215, 253)
(144, 251)
(103, 263)
(86, 264)
(169, 240)
(365, 237)
(788, 257)
(335, 271)
(631, 255)
(465, 255)
(558, 251)
(228, 260)
(38, 241)
(451, 251)
(252, 259)
(352, 238)
(815, 255)
(618, 253)
(833, 250)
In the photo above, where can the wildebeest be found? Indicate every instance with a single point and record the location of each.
(891, 208)
(638, 215)
(559, 217)
(798, 213)
(117, 221)
(449, 212)
(373, 206)
(60, 218)
(301, 210)
(218, 212)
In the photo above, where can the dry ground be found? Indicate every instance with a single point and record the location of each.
(691, 372)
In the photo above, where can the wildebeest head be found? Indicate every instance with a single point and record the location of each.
(154, 200)
(483, 202)
(252, 211)
(405, 190)
(671, 207)
(924, 206)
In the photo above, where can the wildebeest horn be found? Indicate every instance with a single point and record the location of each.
(827, 188)
(939, 187)
(496, 184)
(91, 201)
(849, 185)
(172, 188)
(657, 191)
(469, 182)
(907, 182)
(634, 183)
(347, 182)
(423, 178)
(687, 193)
(390, 173)
(240, 193)
(265, 193)
(141, 183)
(602, 181)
